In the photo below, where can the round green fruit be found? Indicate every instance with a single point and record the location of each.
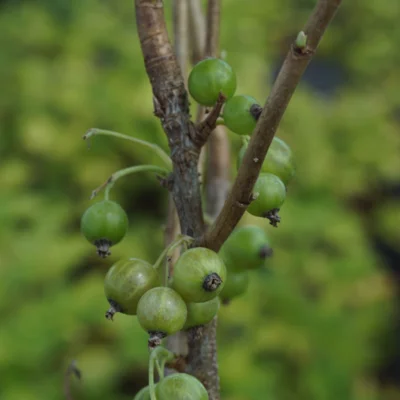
(279, 160)
(208, 78)
(104, 224)
(161, 311)
(201, 313)
(126, 282)
(181, 387)
(235, 286)
(199, 275)
(246, 248)
(271, 194)
(237, 115)
(144, 394)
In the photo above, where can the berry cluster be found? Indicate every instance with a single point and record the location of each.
(190, 297)
(207, 80)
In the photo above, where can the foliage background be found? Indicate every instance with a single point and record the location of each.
(319, 323)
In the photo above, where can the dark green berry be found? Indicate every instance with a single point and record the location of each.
(237, 116)
(246, 248)
(199, 275)
(104, 224)
(270, 194)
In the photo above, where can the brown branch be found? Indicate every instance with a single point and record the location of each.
(213, 23)
(208, 124)
(172, 107)
(197, 30)
(283, 89)
(181, 27)
(202, 357)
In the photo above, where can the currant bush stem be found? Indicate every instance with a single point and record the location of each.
(151, 378)
(109, 183)
(158, 355)
(157, 149)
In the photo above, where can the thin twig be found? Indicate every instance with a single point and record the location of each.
(109, 183)
(157, 149)
(275, 106)
(71, 370)
(208, 124)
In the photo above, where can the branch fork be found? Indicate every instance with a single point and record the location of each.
(205, 127)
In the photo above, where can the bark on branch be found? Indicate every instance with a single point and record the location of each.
(172, 107)
(289, 76)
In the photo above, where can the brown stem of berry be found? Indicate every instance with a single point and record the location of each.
(212, 282)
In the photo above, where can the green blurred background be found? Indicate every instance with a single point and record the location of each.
(320, 323)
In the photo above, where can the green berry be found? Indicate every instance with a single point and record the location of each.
(181, 387)
(199, 275)
(270, 194)
(237, 116)
(161, 311)
(104, 224)
(201, 313)
(246, 248)
(144, 394)
(278, 161)
(126, 282)
(236, 285)
(208, 78)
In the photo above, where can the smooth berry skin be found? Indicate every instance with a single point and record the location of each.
(191, 271)
(162, 310)
(105, 220)
(144, 394)
(237, 116)
(208, 78)
(181, 387)
(271, 194)
(246, 248)
(201, 313)
(127, 281)
(278, 161)
(236, 285)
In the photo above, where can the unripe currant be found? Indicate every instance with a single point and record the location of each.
(270, 194)
(237, 115)
(143, 394)
(104, 224)
(199, 275)
(278, 161)
(236, 285)
(209, 78)
(126, 282)
(161, 311)
(181, 387)
(246, 248)
(201, 313)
